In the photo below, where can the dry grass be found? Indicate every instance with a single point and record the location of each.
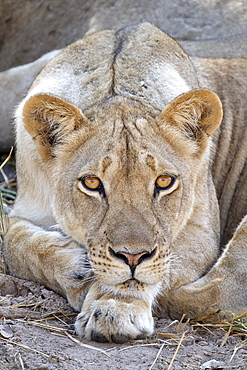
(183, 331)
(236, 325)
(7, 197)
(8, 185)
(232, 327)
(59, 328)
(58, 322)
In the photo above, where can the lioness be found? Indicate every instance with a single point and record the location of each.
(117, 141)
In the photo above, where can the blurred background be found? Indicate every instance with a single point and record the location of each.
(208, 28)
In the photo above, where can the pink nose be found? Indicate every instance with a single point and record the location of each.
(133, 259)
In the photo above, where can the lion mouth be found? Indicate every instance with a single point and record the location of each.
(118, 266)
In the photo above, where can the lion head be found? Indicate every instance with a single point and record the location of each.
(125, 179)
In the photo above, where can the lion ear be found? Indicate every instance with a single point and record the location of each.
(195, 113)
(49, 120)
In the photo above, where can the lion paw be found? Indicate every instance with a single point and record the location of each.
(111, 320)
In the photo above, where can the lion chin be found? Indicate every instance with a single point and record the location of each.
(121, 148)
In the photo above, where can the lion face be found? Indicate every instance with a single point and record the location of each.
(122, 187)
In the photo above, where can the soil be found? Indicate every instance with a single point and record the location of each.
(36, 332)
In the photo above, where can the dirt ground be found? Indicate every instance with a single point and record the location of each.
(36, 332)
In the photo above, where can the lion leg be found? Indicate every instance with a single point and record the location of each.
(47, 257)
(108, 318)
(59, 263)
(223, 287)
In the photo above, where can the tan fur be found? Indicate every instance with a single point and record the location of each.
(125, 108)
(49, 120)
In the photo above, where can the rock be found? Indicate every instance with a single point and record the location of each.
(212, 364)
(14, 84)
(6, 331)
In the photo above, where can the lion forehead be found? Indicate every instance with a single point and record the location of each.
(107, 63)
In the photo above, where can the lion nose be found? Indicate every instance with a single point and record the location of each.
(132, 259)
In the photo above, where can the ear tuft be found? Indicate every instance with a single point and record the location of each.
(49, 120)
(194, 113)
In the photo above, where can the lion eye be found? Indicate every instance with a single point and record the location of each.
(164, 182)
(91, 183)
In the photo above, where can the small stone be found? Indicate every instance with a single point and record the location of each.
(6, 331)
(43, 367)
(211, 365)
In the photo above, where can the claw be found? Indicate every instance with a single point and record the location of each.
(119, 338)
(98, 337)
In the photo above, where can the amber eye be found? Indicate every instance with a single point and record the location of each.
(91, 183)
(164, 182)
